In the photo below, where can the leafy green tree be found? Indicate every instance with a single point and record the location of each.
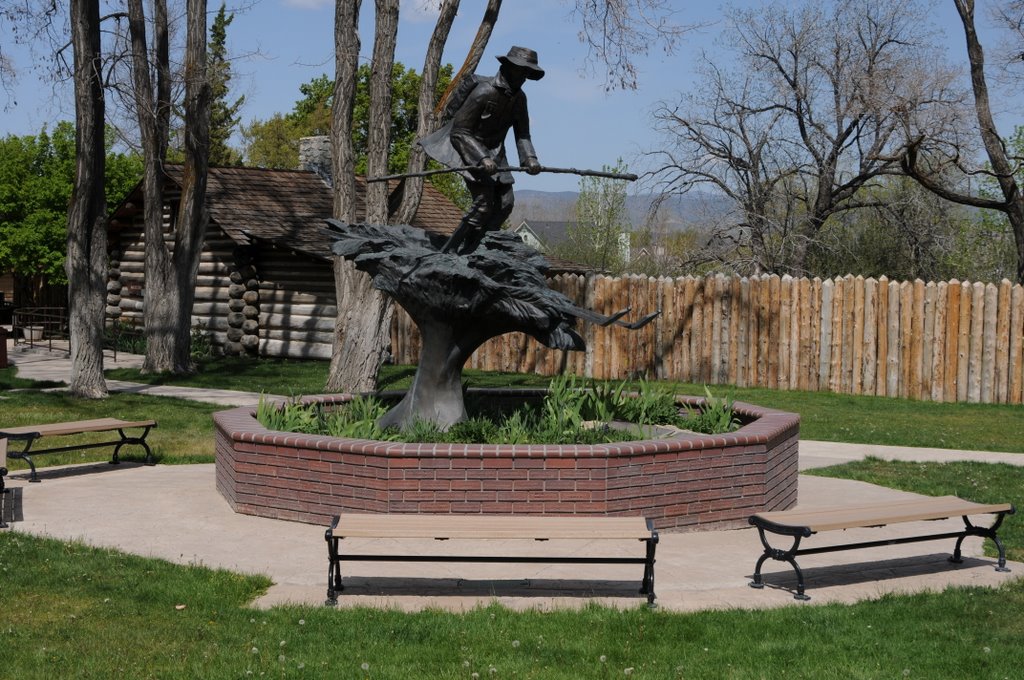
(36, 178)
(274, 143)
(600, 235)
(224, 115)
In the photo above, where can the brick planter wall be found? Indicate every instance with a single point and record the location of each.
(695, 481)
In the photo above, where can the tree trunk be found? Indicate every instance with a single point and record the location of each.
(362, 330)
(1001, 166)
(476, 50)
(87, 235)
(171, 273)
(378, 136)
(412, 188)
(153, 113)
(193, 217)
(346, 64)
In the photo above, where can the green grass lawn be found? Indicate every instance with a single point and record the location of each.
(979, 482)
(824, 416)
(73, 611)
(184, 432)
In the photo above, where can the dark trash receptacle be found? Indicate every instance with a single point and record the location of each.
(3, 347)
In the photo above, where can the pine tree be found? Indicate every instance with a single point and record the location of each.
(223, 115)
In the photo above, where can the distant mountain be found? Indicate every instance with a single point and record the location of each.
(677, 213)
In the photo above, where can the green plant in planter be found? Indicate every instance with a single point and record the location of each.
(716, 417)
(652, 404)
(517, 428)
(289, 416)
(569, 414)
(358, 420)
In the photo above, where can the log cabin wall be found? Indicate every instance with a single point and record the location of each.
(297, 304)
(126, 280)
(249, 299)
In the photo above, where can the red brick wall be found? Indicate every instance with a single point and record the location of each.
(698, 482)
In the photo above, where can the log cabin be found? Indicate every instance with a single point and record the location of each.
(265, 284)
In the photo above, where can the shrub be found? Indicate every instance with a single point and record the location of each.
(569, 414)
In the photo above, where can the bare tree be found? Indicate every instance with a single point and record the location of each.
(361, 330)
(346, 67)
(379, 133)
(810, 121)
(354, 367)
(617, 31)
(87, 216)
(929, 158)
(170, 264)
(426, 122)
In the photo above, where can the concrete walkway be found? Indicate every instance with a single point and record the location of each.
(174, 512)
(42, 363)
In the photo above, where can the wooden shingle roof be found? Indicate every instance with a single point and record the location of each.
(288, 207)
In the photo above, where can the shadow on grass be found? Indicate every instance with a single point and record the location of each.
(10, 381)
(868, 572)
(448, 587)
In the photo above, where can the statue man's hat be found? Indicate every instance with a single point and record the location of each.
(524, 58)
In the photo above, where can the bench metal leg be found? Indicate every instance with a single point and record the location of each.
(140, 440)
(781, 556)
(985, 532)
(647, 583)
(23, 455)
(334, 585)
(3, 492)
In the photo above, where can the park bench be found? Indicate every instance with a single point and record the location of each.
(3, 473)
(31, 433)
(492, 528)
(803, 523)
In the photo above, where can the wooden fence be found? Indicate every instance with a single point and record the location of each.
(946, 341)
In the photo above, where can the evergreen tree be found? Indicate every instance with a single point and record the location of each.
(224, 115)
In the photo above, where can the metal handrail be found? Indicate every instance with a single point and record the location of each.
(41, 326)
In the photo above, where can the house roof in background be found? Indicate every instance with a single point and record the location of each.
(288, 208)
(549, 232)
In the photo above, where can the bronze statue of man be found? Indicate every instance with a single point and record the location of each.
(476, 137)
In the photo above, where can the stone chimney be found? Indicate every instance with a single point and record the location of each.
(315, 156)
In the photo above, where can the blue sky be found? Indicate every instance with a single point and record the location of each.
(283, 43)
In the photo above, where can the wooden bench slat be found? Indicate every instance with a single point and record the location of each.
(504, 527)
(29, 434)
(490, 527)
(802, 523)
(851, 517)
(78, 426)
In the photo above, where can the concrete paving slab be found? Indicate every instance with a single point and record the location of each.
(821, 454)
(174, 512)
(41, 363)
